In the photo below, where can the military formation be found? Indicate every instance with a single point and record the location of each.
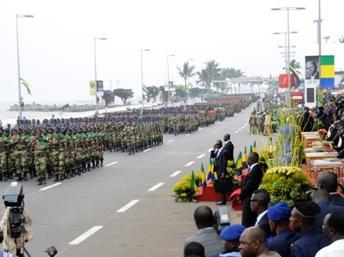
(64, 148)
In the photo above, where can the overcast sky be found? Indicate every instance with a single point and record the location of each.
(56, 47)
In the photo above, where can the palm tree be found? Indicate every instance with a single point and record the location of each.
(209, 74)
(186, 72)
(341, 40)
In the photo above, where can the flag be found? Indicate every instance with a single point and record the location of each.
(239, 161)
(271, 149)
(203, 175)
(254, 147)
(193, 185)
(297, 75)
(26, 85)
(211, 170)
(251, 149)
(245, 159)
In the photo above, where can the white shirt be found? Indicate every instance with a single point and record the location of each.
(260, 216)
(251, 167)
(336, 249)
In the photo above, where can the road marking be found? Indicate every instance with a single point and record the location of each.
(189, 164)
(111, 163)
(85, 235)
(155, 187)
(245, 125)
(147, 150)
(210, 149)
(200, 156)
(170, 141)
(188, 134)
(128, 205)
(175, 173)
(51, 186)
(236, 132)
(200, 129)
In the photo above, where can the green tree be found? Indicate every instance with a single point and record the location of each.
(151, 92)
(181, 92)
(209, 74)
(186, 72)
(108, 97)
(124, 94)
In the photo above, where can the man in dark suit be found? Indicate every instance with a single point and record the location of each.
(248, 186)
(260, 200)
(228, 145)
(328, 180)
(221, 172)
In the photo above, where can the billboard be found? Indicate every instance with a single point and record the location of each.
(312, 68)
(92, 88)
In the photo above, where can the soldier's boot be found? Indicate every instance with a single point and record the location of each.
(93, 164)
(101, 162)
(39, 181)
(1, 176)
(88, 166)
(62, 177)
(44, 180)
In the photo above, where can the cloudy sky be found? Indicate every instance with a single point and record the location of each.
(56, 46)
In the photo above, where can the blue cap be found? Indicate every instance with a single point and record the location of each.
(232, 232)
(279, 212)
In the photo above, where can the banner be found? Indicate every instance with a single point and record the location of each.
(312, 68)
(283, 80)
(92, 88)
(327, 71)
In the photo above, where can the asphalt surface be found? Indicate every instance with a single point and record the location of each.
(126, 208)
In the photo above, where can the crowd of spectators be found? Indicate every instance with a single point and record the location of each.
(312, 228)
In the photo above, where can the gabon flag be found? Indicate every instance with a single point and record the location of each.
(254, 147)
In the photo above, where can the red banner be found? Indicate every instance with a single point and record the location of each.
(283, 80)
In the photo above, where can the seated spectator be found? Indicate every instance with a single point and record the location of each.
(302, 219)
(194, 249)
(206, 234)
(322, 199)
(334, 229)
(252, 244)
(231, 235)
(260, 200)
(328, 181)
(282, 237)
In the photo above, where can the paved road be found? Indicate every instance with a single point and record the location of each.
(126, 208)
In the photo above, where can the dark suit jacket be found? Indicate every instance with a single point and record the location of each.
(251, 182)
(325, 208)
(221, 163)
(230, 151)
(336, 199)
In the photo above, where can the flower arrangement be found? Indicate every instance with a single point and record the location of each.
(286, 183)
(186, 189)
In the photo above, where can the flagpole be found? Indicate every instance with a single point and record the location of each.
(18, 68)
(18, 62)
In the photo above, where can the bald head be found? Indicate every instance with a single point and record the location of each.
(203, 216)
(254, 234)
(253, 157)
(328, 181)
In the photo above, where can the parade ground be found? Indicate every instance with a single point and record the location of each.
(126, 208)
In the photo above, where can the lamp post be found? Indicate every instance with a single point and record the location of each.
(187, 82)
(318, 21)
(141, 51)
(287, 33)
(95, 66)
(18, 61)
(168, 77)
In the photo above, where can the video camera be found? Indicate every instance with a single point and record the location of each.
(221, 217)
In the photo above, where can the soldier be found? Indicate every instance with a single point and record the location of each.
(3, 154)
(40, 146)
(253, 122)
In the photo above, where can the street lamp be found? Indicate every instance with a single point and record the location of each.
(168, 76)
(288, 42)
(141, 51)
(18, 61)
(95, 66)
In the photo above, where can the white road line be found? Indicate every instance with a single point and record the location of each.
(170, 141)
(111, 163)
(51, 186)
(209, 150)
(174, 174)
(245, 125)
(147, 150)
(189, 164)
(236, 132)
(85, 235)
(155, 187)
(200, 156)
(188, 134)
(128, 205)
(200, 129)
